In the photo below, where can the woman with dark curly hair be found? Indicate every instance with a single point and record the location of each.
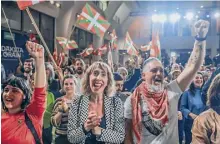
(206, 127)
(96, 117)
(191, 104)
(22, 119)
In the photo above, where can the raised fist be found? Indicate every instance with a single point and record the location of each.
(35, 50)
(201, 28)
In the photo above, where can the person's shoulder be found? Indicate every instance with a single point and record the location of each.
(206, 117)
(173, 86)
(208, 113)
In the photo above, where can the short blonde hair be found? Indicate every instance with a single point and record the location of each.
(110, 88)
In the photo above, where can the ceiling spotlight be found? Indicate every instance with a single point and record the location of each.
(207, 16)
(155, 18)
(201, 6)
(52, 1)
(198, 11)
(177, 8)
(162, 18)
(155, 10)
(189, 16)
(58, 5)
(197, 16)
(217, 15)
(174, 17)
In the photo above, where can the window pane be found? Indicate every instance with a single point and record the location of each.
(47, 30)
(27, 24)
(89, 39)
(13, 14)
(82, 38)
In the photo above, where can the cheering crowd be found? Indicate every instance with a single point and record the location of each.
(141, 103)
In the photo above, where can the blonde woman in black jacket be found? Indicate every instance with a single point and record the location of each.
(96, 116)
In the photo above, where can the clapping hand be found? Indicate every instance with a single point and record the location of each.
(201, 28)
(92, 121)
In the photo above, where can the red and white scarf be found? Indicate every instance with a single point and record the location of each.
(157, 108)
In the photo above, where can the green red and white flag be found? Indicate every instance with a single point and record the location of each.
(113, 40)
(100, 51)
(129, 45)
(155, 50)
(93, 21)
(23, 4)
(66, 44)
(145, 48)
(88, 51)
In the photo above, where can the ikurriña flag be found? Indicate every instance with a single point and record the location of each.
(93, 21)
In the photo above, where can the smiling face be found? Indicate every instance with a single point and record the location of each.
(153, 74)
(98, 80)
(27, 67)
(198, 80)
(12, 97)
(69, 86)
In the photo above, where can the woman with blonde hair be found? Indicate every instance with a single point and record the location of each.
(206, 127)
(61, 107)
(96, 116)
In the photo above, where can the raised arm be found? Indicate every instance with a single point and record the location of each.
(197, 57)
(38, 101)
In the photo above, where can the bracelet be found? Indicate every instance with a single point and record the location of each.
(200, 39)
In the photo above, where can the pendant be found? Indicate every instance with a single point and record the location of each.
(20, 121)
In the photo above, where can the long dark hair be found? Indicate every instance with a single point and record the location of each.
(192, 88)
(23, 85)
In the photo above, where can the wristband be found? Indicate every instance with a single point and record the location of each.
(200, 39)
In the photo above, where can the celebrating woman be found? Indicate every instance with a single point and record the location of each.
(60, 112)
(192, 105)
(23, 118)
(206, 128)
(96, 116)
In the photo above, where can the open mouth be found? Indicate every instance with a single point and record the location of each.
(9, 99)
(97, 85)
(157, 81)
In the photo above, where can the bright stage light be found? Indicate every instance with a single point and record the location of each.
(189, 16)
(173, 54)
(217, 15)
(155, 18)
(174, 17)
(162, 18)
(159, 18)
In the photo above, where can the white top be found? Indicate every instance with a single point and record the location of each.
(78, 85)
(169, 133)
